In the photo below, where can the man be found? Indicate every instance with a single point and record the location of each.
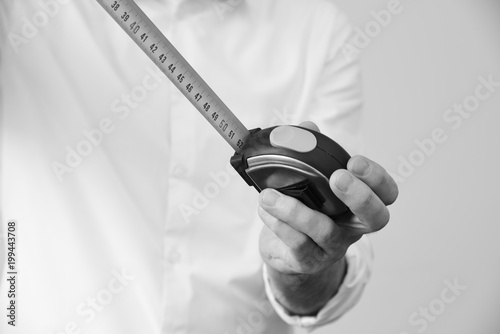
(130, 218)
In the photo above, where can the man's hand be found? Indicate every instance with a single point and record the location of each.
(304, 249)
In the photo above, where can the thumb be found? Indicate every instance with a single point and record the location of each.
(309, 125)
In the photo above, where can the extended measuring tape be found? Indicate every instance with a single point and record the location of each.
(293, 160)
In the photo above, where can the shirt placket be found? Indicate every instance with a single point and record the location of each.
(177, 284)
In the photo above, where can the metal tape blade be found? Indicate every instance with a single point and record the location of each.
(159, 49)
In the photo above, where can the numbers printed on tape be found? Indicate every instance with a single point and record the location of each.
(168, 59)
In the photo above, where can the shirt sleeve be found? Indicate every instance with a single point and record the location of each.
(359, 267)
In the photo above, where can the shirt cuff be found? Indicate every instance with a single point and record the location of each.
(359, 258)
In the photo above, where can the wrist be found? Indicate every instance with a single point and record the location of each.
(306, 294)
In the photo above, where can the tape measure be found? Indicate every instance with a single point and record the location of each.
(293, 160)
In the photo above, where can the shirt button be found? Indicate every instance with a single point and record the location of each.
(180, 171)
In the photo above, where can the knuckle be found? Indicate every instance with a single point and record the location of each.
(386, 184)
(299, 243)
(336, 246)
(291, 207)
(268, 219)
(381, 181)
(313, 260)
(382, 220)
(263, 214)
(327, 232)
(308, 265)
(366, 200)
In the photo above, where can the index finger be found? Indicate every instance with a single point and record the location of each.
(317, 226)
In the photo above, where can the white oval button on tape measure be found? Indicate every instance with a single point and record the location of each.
(293, 138)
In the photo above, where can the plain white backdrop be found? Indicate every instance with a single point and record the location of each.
(419, 65)
(445, 225)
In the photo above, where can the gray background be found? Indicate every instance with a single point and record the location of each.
(445, 224)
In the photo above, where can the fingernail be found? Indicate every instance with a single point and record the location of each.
(343, 181)
(270, 197)
(360, 167)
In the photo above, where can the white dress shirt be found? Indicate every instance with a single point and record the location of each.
(130, 218)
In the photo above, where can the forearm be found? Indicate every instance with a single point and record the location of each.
(303, 294)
